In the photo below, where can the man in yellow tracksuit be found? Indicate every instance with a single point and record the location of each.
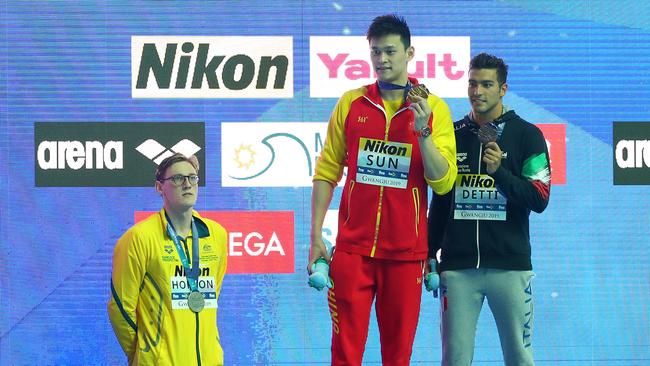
(167, 276)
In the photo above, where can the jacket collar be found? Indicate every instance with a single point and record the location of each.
(374, 94)
(201, 226)
(468, 123)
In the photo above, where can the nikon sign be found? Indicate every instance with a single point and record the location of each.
(110, 154)
(211, 67)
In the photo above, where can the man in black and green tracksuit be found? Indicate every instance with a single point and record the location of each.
(480, 230)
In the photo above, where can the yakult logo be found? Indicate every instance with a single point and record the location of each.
(258, 241)
(338, 64)
(211, 67)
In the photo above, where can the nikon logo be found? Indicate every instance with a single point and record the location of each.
(476, 181)
(212, 67)
(382, 147)
(631, 158)
(110, 154)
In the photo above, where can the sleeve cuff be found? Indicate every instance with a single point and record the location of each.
(440, 186)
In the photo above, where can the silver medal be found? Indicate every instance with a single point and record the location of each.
(195, 301)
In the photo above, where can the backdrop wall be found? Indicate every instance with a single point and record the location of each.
(94, 93)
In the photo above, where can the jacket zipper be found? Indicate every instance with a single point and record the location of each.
(381, 188)
(416, 201)
(374, 240)
(196, 317)
(478, 247)
(349, 200)
(198, 351)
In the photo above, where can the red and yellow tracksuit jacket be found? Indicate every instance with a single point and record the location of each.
(384, 202)
(148, 307)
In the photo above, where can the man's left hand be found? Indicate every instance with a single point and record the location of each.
(492, 157)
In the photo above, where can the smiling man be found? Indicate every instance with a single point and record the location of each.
(394, 143)
(167, 276)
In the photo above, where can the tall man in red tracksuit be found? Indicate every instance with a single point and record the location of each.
(394, 148)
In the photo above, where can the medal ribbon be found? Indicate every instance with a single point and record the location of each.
(390, 86)
(193, 273)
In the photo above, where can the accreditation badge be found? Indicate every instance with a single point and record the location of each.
(383, 163)
(184, 298)
(477, 198)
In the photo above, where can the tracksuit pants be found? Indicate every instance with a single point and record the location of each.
(509, 295)
(396, 286)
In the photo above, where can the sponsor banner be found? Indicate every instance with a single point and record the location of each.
(211, 67)
(340, 63)
(258, 241)
(115, 154)
(279, 154)
(555, 135)
(631, 160)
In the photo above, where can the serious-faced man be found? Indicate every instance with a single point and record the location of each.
(167, 276)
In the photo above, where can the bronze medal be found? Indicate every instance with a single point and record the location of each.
(488, 133)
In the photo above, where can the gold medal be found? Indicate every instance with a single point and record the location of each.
(420, 90)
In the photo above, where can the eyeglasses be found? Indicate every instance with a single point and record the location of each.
(179, 179)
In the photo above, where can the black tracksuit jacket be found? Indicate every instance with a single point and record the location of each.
(523, 179)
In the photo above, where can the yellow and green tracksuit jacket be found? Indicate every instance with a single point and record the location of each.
(148, 308)
(384, 202)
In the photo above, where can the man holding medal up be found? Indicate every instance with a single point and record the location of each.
(396, 140)
(480, 230)
(167, 275)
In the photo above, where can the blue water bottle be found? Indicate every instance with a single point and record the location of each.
(320, 270)
(432, 280)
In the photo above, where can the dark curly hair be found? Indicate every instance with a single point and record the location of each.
(487, 61)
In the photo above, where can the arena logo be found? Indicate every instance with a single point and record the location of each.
(278, 154)
(258, 241)
(631, 160)
(211, 67)
(153, 150)
(77, 154)
(338, 64)
(555, 136)
(110, 154)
